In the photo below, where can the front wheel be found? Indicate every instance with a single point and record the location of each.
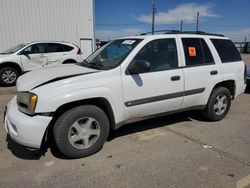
(8, 76)
(81, 131)
(218, 104)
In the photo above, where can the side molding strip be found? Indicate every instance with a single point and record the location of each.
(164, 97)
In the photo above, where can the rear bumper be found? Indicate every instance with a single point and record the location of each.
(24, 129)
(240, 87)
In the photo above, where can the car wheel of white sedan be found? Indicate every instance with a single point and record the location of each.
(8, 76)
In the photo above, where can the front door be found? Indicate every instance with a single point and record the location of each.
(161, 89)
(35, 56)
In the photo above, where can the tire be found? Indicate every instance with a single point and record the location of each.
(77, 125)
(8, 76)
(218, 104)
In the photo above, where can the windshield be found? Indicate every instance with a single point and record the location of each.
(14, 49)
(111, 55)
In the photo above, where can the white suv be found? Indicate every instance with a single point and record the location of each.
(26, 57)
(126, 80)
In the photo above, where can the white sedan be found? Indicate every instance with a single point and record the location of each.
(26, 57)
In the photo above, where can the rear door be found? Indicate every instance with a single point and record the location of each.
(55, 54)
(200, 71)
(157, 91)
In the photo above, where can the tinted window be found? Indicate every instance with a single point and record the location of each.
(67, 48)
(36, 48)
(196, 52)
(226, 50)
(52, 47)
(208, 58)
(161, 54)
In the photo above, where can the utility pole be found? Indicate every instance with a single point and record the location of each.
(153, 16)
(181, 25)
(197, 22)
(245, 39)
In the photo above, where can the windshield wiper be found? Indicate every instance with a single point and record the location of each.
(89, 65)
(96, 65)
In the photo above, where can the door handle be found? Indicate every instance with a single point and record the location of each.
(214, 72)
(43, 56)
(175, 78)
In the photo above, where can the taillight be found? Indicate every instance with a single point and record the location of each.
(245, 74)
(79, 52)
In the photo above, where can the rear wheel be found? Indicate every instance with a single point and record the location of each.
(8, 76)
(81, 131)
(218, 104)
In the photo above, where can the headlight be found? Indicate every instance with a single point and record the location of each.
(27, 102)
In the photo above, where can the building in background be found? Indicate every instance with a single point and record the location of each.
(34, 20)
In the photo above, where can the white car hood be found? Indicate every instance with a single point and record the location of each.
(38, 77)
(6, 57)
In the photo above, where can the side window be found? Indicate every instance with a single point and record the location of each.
(36, 49)
(208, 58)
(53, 48)
(67, 48)
(161, 54)
(196, 52)
(226, 50)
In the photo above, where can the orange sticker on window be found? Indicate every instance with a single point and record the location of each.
(192, 51)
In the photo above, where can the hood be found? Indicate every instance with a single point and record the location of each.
(6, 56)
(47, 75)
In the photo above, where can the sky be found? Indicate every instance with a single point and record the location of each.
(118, 18)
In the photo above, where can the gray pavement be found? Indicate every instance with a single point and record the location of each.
(180, 150)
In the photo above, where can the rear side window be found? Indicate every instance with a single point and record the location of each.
(196, 52)
(53, 47)
(67, 48)
(226, 50)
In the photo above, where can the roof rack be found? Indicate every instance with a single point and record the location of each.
(159, 31)
(184, 32)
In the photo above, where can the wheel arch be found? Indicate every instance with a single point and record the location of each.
(68, 61)
(229, 84)
(13, 65)
(100, 102)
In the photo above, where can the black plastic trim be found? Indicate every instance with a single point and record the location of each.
(164, 97)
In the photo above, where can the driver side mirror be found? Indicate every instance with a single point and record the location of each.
(139, 66)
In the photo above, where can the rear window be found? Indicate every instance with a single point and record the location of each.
(226, 50)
